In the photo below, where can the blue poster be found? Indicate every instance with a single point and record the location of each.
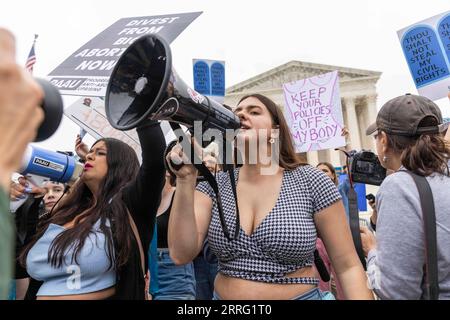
(217, 79)
(360, 189)
(201, 78)
(426, 46)
(424, 55)
(444, 34)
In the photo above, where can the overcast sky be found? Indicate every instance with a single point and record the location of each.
(251, 36)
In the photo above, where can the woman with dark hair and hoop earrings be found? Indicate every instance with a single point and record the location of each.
(283, 204)
(409, 141)
(96, 241)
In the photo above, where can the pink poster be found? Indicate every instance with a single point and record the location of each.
(314, 113)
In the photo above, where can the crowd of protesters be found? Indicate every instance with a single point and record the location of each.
(92, 240)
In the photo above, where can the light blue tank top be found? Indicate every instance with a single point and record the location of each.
(89, 275)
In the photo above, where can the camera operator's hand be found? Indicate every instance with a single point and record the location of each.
(368, 240)
(20, 114)
(23, 188)
(81, 148)
(187, 172)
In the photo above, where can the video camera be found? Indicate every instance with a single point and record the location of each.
(364, 167)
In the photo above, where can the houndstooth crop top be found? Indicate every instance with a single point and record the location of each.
(286, 238)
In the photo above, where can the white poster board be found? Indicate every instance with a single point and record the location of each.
(89, 114)
(314, 113)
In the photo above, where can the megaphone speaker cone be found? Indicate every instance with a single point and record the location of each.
(145, 85)
(138, 82)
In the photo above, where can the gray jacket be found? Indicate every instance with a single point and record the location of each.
(396, 267)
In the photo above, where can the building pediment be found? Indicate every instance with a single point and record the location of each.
(296, 70)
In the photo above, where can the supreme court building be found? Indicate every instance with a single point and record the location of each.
(358, 97)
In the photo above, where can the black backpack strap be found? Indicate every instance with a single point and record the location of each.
(320, 266)
(354, 224)
(429, 221)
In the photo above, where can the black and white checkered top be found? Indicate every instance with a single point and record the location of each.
(286, 238)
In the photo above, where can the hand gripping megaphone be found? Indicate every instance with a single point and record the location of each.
(40, 165)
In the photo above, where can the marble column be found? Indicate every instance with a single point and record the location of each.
(313, 158)
(352, 125)
(371, 114)
(334, 158)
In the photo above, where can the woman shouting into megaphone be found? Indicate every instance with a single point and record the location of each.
(283, 205)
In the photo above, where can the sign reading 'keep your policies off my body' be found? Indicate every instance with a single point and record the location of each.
(314, 113)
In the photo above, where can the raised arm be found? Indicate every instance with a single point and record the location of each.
(143, 195)
(190, 215)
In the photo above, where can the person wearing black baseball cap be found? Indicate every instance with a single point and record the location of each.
(408, 134)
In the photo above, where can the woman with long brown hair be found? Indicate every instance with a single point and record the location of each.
(283, 204)
(90, 247)
(408, 135)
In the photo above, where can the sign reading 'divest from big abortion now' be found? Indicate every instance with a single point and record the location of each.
(314, 113)
(86, 72)
(426, 46)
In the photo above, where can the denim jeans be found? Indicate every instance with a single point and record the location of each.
(313, 294)
(174, 282)
(205, 274)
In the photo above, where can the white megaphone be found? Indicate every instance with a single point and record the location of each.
(40, 165)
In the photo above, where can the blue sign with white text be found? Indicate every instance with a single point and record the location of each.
(202, 82)
(444, 34)
(217, 79)
(424, 55)
(209, 78)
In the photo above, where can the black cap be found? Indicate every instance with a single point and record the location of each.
(402, 115)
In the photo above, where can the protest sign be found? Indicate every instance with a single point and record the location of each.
(89, 114)
(314, 113)
(86, 72)
(426, 46)
(209, 78)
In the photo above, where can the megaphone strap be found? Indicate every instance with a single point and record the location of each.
(200, 166)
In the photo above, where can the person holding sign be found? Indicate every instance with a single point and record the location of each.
(96, 241)
(281, 212)
(409, 140)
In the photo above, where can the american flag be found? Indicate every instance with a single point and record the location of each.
(31, 57)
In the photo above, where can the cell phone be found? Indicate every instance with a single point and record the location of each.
(370, 197)
(82, 133)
